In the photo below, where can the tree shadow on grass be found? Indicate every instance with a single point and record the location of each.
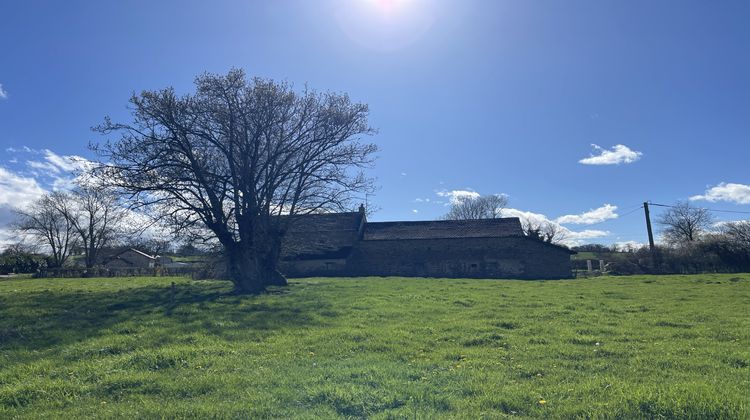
(39, 323)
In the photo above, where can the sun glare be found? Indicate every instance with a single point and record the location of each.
(385, 25)
(388, 6)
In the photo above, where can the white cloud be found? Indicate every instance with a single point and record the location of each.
(598, 215)
(67, 163)
(718, 225)
(17, 190)
(52, 161)
(456, 196)
(24, 149)
(10, 237)
(64, 183)
(3, 92)
(43, 166)
(535, 218)
(617, 155)
(733, 193)
(415, 211)
(62, 169)
(6, 238)
(62, 162)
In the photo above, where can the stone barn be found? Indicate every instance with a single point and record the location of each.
(321, 244)
(345, 244)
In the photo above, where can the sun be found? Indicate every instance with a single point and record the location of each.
(389, 6)
(385, 25)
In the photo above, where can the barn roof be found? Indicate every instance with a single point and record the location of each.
(151, 257)
(328, 235)
(110, 254)
(441, 229)
(326, 222)
(333, 235)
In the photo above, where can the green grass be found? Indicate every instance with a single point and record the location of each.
(612, 347)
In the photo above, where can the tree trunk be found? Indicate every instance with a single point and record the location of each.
(241, 270)
(249, 274)
(268, 261)
(270, 274)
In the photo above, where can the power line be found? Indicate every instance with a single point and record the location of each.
(631, 211)
(703, 208)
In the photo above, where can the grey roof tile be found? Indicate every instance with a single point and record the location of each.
(330, 234)
(440, 229)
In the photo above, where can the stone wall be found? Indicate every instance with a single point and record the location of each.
(313, 268)
(508, 257)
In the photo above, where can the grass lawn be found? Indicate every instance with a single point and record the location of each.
(620, 347)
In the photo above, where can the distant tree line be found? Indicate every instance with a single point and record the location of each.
(20, 259)
(692, 242)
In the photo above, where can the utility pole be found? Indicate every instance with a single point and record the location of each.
(648, 227)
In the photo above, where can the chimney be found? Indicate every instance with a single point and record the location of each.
(361, 209)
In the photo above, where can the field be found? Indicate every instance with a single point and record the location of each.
(613, 347)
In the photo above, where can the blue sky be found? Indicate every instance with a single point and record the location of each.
(490, 97)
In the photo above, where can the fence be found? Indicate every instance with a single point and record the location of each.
(589, 268)
(117, 272)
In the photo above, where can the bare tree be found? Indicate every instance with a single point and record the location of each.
(96, 216)
(737, 233)
(553, 233)
(45, 222)
(482, 207)
(532, 229)
(544, 231)
(683, 223)
(237, 161)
